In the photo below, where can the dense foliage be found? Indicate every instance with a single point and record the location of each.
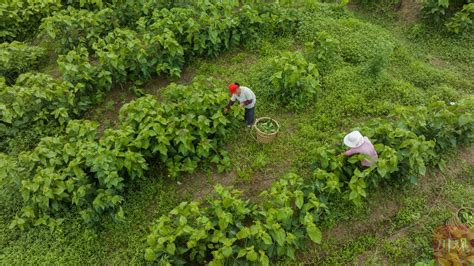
(71, 27)
(75, 171)
(228, 228)
(34, 98)
(17, 58)
(352, 71)
(20, 19)
(88, 172)
(457, 21)
(462, 21)
(96, 53)
(186, 130)
(290, 81)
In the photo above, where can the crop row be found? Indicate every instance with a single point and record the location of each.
(97, 57)
(229, 228)
(88, 172)
(21, 19)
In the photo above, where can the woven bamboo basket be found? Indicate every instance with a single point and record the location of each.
(455, 220)
(263, 137)
(464, 208)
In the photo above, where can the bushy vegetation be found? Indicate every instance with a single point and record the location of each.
(70, 28)
(20, 19)
(314, 67)
(289, 81)
(90, 172)
(97, 56)
(456, 21)
(17, 58)
(230, 229)
(35, 98)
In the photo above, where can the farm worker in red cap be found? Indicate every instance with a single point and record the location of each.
(246, 98)
(362, 145)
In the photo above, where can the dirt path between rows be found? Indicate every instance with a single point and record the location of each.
(409, 11)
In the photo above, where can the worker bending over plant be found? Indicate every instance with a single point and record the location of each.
(246, 98)
(360, 145)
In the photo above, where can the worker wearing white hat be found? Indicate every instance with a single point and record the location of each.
(362, 145)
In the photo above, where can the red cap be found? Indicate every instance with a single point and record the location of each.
(232, 88)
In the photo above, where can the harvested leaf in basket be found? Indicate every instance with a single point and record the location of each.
(267, 127)
(467, 217)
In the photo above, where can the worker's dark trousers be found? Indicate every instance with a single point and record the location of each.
(250, 116)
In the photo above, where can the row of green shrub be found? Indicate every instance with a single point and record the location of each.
(17, 58)
(102, 56)
(228, 228)
(35, 97)
(457, 15)
(87, 171)
(21, 19)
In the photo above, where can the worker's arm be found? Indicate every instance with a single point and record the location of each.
(247, 102)
(350, 152)
(248, 99)
(229, 104)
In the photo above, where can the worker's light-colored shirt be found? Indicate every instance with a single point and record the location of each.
(366, 148)
(246, 96)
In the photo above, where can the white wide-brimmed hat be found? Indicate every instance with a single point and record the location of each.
(354, 139)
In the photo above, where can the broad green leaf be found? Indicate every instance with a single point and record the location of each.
(149, 254)
(314, 233)
(299, 199)
(252, 255)
(227, 251)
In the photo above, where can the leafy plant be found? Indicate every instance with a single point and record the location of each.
(462, 20)
(467, 217)
(449, 125)
(231, 229)
(21, 19)
(435, 8)
(324, 50)
(34, 97)
(439, 10)
(98, 54)
(71, 28)
(17, 58)
(91, 80)
(188, 128)
(290, 81)
(405, 148)
(75, 170)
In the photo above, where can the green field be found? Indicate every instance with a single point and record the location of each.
(114, 147)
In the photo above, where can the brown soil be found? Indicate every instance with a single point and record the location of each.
(155, 85)
(409, 11)
(187, 75)
(468, 156)
(119, 95)
(200, 185)
(437, 62)
(380, 214)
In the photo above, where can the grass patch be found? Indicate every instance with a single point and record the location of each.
(75, 243)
